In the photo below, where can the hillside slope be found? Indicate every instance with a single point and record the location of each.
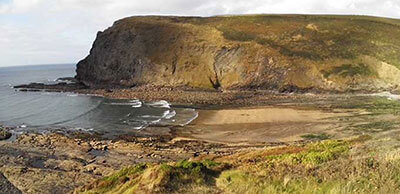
(280, 52)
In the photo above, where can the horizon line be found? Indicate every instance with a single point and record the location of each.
(43, 64)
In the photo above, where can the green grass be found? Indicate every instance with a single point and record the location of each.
(349, 70)
(182, 176)
(235, 35)
(197, 165)
(382, 105)
(374, 104)
(343, 37)
(336, 173)
(109, 183)
(314, 153)
(374, 127)
(240, 182)
(125, 172)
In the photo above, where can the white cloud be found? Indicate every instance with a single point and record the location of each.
(57, 31)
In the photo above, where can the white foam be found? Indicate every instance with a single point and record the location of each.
(139, 127)
(161, 103)
(150, 116)
(165, 113)
(170, 114)
(156, 121)
(133, 103)
(119, 104)
(136, 103)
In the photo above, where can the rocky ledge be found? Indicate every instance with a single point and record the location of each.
(65, 84)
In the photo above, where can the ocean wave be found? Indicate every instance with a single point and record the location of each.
(155, 121)
(149, 120)
(178, 117)
(150, 116)
(170, 114)
(136, 103)
(161, 103)
(133, 103)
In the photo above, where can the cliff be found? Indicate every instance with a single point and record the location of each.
(282, 52)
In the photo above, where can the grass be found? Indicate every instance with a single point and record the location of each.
(376, 105)
(109, 183)
(329, 166)
(344, 37)
(383, 105)
(349, 70)
(182, 176)
(237, 35)
(374, 127)
(336, 173)
(314, 153)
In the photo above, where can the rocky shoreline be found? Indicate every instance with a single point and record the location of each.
(197, 98)
(59, 163)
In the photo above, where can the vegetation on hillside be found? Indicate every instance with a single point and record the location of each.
(329, 166)
(337, 46)
(316, 38)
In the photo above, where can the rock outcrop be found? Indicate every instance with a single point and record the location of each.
(280, 52)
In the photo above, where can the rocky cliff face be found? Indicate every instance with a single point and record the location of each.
(287, 52)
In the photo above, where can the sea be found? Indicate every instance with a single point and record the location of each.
(48, 111)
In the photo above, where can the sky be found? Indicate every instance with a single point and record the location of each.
(62, 31)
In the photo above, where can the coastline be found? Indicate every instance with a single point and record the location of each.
(229, 123)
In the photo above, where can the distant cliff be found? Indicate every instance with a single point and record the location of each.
(282, 52)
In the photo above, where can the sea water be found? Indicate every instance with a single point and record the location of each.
(46, 110)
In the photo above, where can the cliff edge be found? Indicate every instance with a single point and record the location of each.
(279, 52)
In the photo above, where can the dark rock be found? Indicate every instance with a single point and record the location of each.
(36, 87)
(4, 134)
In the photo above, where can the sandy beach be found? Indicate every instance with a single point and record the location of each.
(263, 124)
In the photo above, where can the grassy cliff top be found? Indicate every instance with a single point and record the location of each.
(306, 37)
